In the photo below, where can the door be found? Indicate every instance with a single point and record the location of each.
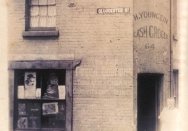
(148, 101)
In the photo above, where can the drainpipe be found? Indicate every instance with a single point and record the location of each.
(171, 51)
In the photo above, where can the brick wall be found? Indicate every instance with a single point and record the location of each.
(103, 83)
(152, 42)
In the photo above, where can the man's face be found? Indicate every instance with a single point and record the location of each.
(53, 81)
(31, 82)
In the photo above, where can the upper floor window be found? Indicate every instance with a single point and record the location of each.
(40, 18)
(42, 13)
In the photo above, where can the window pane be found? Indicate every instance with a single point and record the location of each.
(51, 10)
(34, 2)
(42, 21)
(55, 120)
(34, 11)
(34, 122)
(51, 21)
(22, 109)
(43, 11)
(43, 2)
(34, 21)
(22, 123)
(51, 2)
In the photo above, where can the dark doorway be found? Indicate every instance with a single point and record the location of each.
(149, 86)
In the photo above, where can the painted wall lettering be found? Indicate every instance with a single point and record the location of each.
(149, 46)
(150, 14)
(151, 32)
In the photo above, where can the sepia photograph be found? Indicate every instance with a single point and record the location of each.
(94, 65)
(30, 85)
(49, 108)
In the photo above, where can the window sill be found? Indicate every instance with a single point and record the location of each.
(40, 33)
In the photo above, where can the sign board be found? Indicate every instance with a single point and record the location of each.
(113, 10)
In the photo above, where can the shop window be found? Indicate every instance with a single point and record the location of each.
(40, 99)
(42, 95)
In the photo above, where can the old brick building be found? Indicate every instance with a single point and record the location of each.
(112, 59)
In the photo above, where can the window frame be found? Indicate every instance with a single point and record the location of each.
(67, 65)
(36, 31)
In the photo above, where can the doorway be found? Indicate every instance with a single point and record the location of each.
(148, 101)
